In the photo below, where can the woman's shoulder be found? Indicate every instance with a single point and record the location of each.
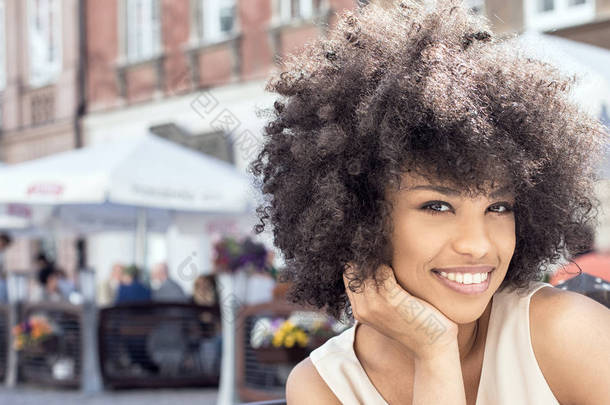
(306, 386)
(570, 336)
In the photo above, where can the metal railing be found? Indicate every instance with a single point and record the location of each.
(5, 331)
(159, 345)
(258, 381)
(55, 361)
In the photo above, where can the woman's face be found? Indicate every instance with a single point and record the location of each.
(438, 229)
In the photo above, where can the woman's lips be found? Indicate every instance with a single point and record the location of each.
(468, 289)
(465, 269)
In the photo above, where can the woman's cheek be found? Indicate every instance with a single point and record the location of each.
(505, 239)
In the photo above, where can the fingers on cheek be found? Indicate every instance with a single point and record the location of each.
(360, 307)
(393, 292)
(351, 298)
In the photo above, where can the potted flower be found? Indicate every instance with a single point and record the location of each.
(286, 343)
(228, 252)
(34, 334)
(243, 262)
(279, 340)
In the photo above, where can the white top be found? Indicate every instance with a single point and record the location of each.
(510, 373)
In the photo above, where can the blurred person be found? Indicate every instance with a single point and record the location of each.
(164, 288)
(52, 291)
(108, 288)
(5, 242)
(65, 285)
(205, 291)
(44, 268)
(166, 342)
(131, 289)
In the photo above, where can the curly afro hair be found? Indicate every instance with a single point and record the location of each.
(427, 88)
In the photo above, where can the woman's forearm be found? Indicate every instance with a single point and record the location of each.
(439, 380)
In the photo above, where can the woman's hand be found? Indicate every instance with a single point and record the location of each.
(392, 311)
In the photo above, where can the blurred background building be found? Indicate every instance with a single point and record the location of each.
(41, 97)
(76, 73)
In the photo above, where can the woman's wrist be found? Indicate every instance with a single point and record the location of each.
(438, 350)
(438, 378)
(433, 359)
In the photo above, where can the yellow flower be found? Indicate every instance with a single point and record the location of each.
(302, 339)
(279, 335)
(277, 341)
(289, 342)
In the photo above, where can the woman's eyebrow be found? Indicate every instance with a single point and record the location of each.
(439, 189)
(501, 192)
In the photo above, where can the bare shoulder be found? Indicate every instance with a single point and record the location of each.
(571, 341)
(306, 386)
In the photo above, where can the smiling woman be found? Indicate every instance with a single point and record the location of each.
(421, 175)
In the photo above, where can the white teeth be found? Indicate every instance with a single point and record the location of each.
(465, 278)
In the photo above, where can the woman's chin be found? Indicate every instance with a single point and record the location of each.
(464, 314)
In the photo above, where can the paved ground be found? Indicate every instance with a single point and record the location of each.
(38, 396)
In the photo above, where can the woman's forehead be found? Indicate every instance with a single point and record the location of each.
(411, 181)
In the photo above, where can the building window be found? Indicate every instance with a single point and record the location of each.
(44, 37)
(546, 5)
(546, 15)
(2, 47)
(142, 30)
(216, 19)
(291, 10)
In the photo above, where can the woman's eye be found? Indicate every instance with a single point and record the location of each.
(437, 207)
(501, 208)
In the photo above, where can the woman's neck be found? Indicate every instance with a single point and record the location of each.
(471, 340)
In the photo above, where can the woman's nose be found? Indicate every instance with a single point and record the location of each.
(472, 238)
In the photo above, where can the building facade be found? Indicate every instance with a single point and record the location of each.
(40, 69)
(76, 73)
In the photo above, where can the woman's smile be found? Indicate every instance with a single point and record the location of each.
(474, 281)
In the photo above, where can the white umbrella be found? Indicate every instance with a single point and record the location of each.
(22, 219)
(16, 218)
(143, 171)
(134, 183)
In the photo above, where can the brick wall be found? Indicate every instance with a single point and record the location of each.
(186, 65)
(102, 52)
